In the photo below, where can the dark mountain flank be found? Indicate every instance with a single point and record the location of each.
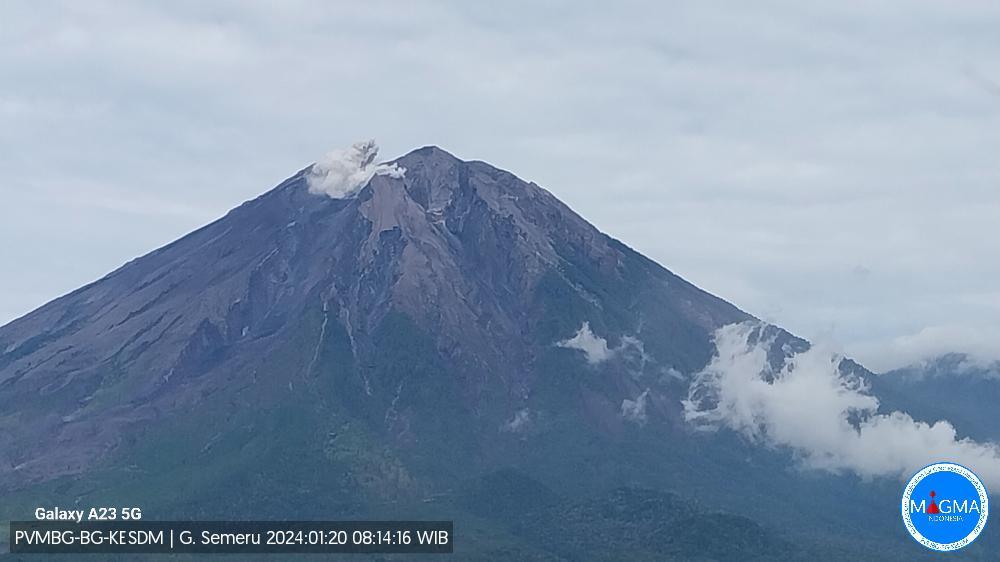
(443, 291)
(454, 343)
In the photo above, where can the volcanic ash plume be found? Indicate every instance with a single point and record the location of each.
(341, 173)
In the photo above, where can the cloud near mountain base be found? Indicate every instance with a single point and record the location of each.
(827, 418)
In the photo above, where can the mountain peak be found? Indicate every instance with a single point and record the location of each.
(428, 152)
(413, 287)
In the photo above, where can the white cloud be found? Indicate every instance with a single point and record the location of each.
(807, 404)
(981, 344)
(343, 172)
(635, 410)
(594, 347)
(596, 350)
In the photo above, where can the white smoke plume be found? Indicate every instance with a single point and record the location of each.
(829, 420)
(341, 173)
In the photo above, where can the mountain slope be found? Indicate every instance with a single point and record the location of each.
(450, 334)
(493, 270)
(953, 387)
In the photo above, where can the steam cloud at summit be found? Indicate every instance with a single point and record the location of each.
(341, 173)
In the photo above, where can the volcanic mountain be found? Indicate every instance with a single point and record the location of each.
(442, 291)
(448, 341)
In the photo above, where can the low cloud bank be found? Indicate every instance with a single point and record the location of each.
(341, 173)
(829, 420)
(980, 343)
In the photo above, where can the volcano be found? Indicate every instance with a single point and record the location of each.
(445, 341)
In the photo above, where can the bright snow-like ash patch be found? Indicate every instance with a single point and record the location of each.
(593, 346)
(342, 173)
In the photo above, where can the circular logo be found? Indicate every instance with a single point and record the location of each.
(945, 506)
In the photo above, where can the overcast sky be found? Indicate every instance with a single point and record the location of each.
(835, 169)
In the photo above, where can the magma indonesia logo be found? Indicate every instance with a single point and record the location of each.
(945, 506)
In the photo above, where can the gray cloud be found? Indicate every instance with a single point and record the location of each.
(807, 405)
(760, 150)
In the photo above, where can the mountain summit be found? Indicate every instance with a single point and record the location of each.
(444, 288)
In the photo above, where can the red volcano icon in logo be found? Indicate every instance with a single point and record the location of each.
(933, 508)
